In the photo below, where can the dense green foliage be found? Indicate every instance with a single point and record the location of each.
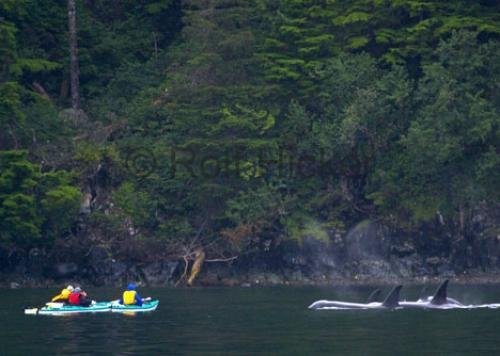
(232, 124)
(35, 206)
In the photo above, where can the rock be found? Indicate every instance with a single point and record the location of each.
(118, 271)
(14, 285)
(4, 262)
(75, 118)
(408, 267)
(404, 250)
(85, 207)
(273, 278)
(209, 279)
(312, 257)
(17, 263)
(446, 272)
(444, 269)
(132, 274)
(100, 261)
(293, 259)
(229, 282)
(438, 264)
(297, 276)
(159, 273)
(375, 268)
(434, 261)
(367, 240)
(35, 262)
(65, 269)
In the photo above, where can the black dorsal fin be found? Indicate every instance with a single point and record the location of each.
(392, 300)
(375, 296)
(441, 295)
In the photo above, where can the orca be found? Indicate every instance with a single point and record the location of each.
(441, 295)
(390, 302)
(439, 300)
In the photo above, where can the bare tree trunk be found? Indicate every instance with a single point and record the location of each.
(73, 49)
(155, 39)
(198, 262)
(64, 90)
(41, 90)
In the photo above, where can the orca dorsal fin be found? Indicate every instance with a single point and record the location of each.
(422, 293)
(392, 300)
(441, 295)
(375, 296)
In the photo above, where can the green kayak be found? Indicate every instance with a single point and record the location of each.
(145, 307)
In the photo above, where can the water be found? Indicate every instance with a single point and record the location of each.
(245, 321)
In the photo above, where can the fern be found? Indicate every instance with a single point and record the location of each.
(354, 17)
(358, 42)
(33, 66)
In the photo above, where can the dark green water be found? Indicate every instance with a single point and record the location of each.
(236, 321)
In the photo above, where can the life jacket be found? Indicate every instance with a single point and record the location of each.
(74, 298)
(129, 297)
(63, 296)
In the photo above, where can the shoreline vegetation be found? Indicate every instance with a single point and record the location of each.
(195, 142)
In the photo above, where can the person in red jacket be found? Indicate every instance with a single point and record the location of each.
(79, 297)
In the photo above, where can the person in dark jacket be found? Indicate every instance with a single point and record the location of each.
(79, 297)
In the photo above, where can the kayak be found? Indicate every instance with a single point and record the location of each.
(63, 309)
(145, 307)
(114, 306)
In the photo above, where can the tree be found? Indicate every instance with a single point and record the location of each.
(441, 165)
(305, 34)
(20, 75)
(73, 49)
(35, 207)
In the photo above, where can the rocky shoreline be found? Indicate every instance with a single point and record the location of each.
(368, 254)
(9, 281)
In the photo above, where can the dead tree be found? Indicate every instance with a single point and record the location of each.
(74, 70)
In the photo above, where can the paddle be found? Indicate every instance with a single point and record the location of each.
(54, 304)
(148, 299)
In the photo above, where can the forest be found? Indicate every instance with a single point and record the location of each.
(210, 130)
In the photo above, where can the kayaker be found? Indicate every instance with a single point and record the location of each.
(79, 297)
(130, 296)
(64, 295)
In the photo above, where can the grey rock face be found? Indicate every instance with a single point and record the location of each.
(65, 269)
